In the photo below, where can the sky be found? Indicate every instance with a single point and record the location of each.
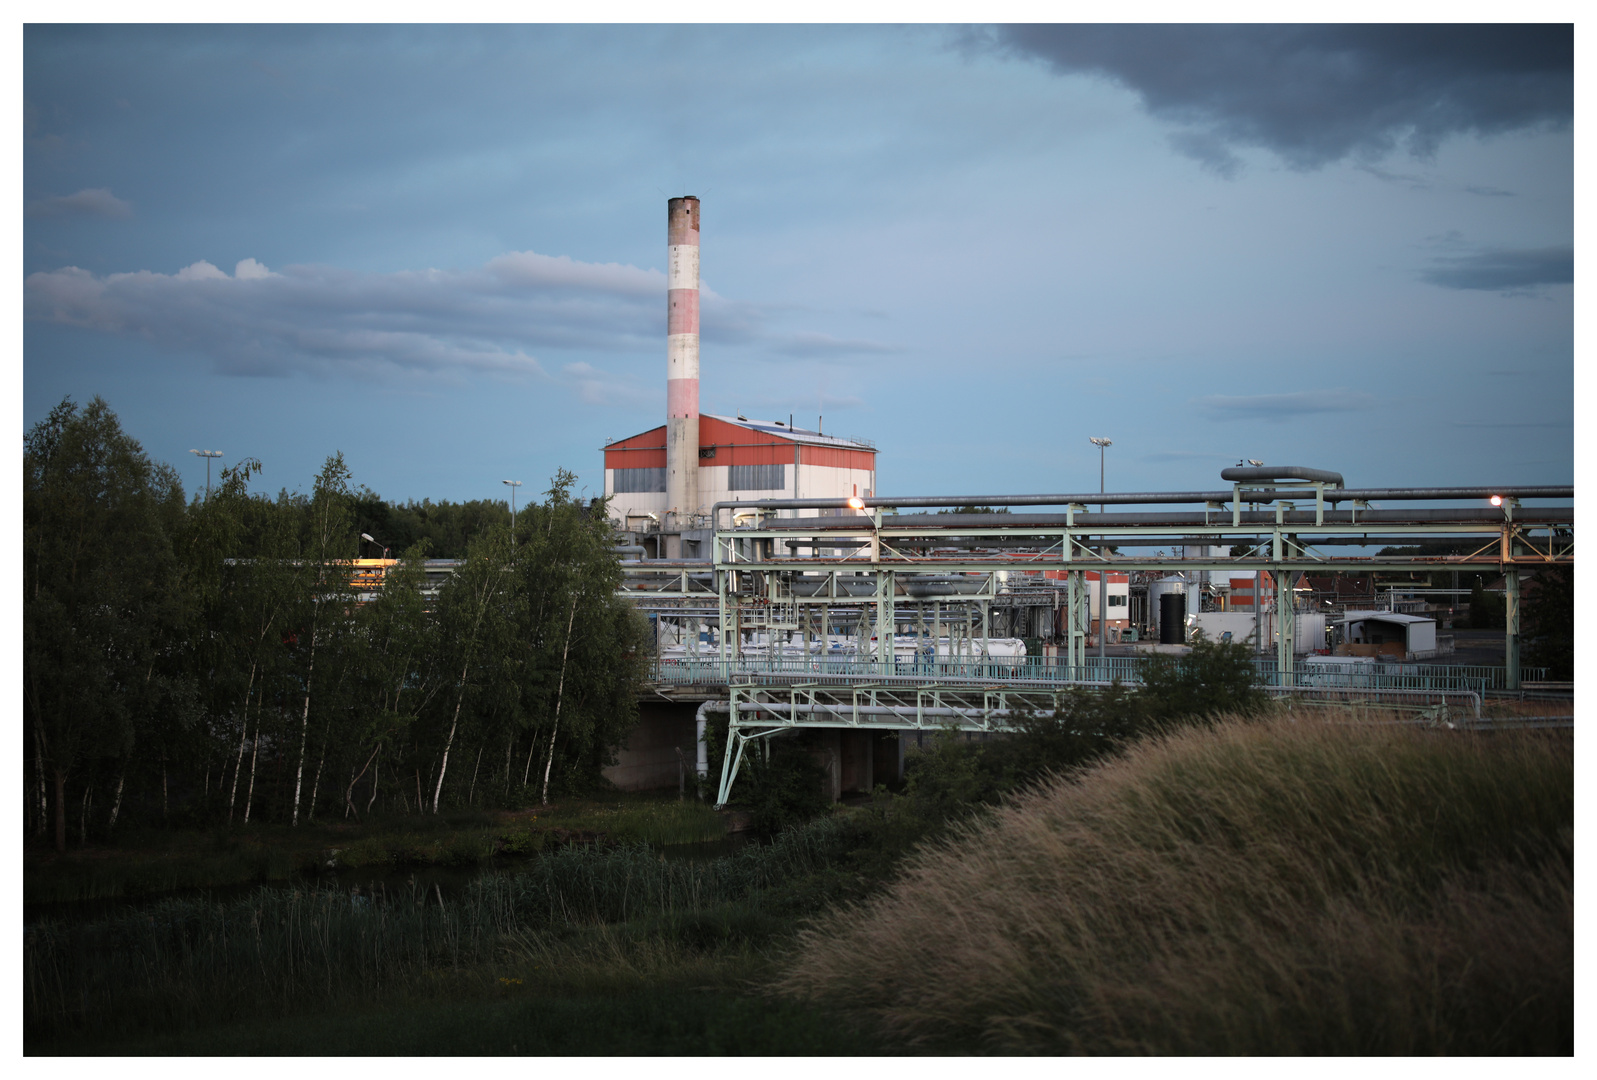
(440, 250)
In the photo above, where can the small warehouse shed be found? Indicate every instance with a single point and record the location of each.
(1385, 633)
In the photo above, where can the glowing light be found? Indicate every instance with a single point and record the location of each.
(1497, 500)
(856, 502)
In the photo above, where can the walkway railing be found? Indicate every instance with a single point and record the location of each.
(709, 671)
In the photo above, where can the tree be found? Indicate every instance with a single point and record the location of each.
(473, 618)
(1549, 622)
(1216, 677)
(103, 598)
(582, 649)
(1487, 610)
(324, 593)
(397, 668)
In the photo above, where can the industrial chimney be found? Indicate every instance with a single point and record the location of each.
(682, 359)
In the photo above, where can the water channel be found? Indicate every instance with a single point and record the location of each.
(447, 881)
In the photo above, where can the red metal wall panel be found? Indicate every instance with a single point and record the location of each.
(645, 451)
(734, 445)
(838, 458)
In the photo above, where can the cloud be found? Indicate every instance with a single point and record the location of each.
(1506, 270)
(90, 202)
(597, 387)
(811, 345)
(1285, 406)
(257, 321)
(1316, 94)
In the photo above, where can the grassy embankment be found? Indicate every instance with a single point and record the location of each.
(1271, 887)
(1279, 887)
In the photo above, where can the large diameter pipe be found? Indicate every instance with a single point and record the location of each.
(703, 763)
(1135, 498)
(1268, 473)
(948, 526)
(682, 358)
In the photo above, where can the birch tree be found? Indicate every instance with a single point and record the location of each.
(325, 594)
(473, 619)
(101, 593)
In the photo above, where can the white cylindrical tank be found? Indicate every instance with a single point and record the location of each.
(1174, 585)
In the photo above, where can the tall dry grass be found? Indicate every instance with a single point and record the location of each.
(1271, 887)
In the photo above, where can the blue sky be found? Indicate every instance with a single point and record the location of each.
(440, 250)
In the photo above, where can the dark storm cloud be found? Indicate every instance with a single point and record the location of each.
(1316, 94)
(1285, 406)
(1504, 270)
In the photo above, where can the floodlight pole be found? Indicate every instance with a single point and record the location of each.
(207, 455)
(513, 485)
(1103, 572)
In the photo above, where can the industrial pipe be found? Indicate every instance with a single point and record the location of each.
(1280, 472)
(950, 524)
(1154, 497)
(698, 725)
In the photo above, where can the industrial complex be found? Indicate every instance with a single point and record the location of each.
(786, 592)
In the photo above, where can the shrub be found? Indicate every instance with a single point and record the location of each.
(1282, 887)
(1215, 677)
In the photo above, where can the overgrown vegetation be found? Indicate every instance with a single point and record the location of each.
(1276, 887)
(221, 662)
(580, 921)
(955, 777)
(1549, 623)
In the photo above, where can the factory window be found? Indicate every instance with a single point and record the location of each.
(1117, 600)
(640, 480)
(756, 478)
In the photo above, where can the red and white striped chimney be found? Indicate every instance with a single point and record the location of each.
(682, 358)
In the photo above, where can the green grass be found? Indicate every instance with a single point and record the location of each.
(1279, 887)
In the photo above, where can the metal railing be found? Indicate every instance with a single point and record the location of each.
(1436, 678)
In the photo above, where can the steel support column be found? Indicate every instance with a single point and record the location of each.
(1285, 618)
(1511, 629)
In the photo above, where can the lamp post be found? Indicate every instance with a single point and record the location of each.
(207, 455)
(1102, 444)
(372, 539)
(513, 485)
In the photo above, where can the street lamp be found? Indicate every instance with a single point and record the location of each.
(207, 455)
(513, 484)
(1101, 443)
(372, 539)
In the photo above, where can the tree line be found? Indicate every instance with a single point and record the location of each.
(211, 661)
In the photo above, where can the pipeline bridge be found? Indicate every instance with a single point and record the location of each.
(911, 595)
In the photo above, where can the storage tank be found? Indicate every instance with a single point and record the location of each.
(1172, 619)
(1174, 585)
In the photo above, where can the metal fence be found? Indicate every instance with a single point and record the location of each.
(1045, 671)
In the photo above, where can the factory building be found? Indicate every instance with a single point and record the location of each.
(663, 482)
(737, 459)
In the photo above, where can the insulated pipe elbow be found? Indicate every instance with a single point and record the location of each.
(698, 724)
(1264, 474)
